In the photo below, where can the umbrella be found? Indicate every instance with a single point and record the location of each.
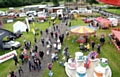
(83, 30)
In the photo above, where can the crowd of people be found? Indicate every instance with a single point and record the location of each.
(52, 42)
(33, 57)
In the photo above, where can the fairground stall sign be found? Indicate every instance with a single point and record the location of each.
(7, 56)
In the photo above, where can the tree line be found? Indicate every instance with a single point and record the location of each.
(17, 3)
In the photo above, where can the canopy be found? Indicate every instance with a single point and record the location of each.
(82, 30)
(103, 20)
(19, 26)
(111, 2)
(4, 33)
(117, 34)
(98, 19)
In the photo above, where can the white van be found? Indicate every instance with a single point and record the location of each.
(31, 12)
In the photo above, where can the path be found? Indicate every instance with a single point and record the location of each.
(46, 58)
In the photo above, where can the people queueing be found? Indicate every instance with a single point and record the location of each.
(15, 59)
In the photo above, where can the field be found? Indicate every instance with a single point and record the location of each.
(4, 67)
(108, 50)
(115, 11)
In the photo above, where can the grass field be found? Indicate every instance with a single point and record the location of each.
(115, 11)
(4, 67)
(108, 51)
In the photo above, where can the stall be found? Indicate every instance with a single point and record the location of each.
(116, 38)
(103, 22)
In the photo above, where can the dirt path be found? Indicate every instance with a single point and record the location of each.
(46, 58)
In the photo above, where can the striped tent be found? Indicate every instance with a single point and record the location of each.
(83, 30)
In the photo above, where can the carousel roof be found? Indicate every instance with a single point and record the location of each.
(82, 30)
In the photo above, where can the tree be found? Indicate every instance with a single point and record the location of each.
(55, 2)
(69, 0)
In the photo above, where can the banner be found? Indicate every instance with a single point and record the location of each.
(27, 23)
(7, 56)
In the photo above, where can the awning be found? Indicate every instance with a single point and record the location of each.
(117, 34)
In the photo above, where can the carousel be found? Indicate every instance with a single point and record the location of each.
(82, 31)
(87, 66)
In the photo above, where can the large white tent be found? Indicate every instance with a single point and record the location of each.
(19, 26)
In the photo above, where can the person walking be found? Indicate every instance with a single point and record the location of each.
(19, 69)
(49, 66)
(93, 45)
(46, 31)
(41, 54)
(38, 62)
(41, 33)
(29, 65)
(88, 47)
(35, 39)
(22, 58)
(15, 59)
(27, 30)
(42, 40)
(51, 33)
(59, 47)
(98, 48)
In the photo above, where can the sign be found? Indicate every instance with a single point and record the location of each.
(10, 20)
(7, 56)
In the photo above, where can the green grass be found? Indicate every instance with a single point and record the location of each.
(9, 65)
(107, 51)
(115, 11)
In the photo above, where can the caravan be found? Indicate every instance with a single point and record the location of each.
(42, 15)
(60, 14)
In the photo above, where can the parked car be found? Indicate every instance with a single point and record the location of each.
(53, 16)
(11, 44)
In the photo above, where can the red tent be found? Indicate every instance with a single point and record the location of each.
(111, 2)
(117, 34)
(98, 19)
(105, 21)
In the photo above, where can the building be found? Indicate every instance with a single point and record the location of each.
(78, 4)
